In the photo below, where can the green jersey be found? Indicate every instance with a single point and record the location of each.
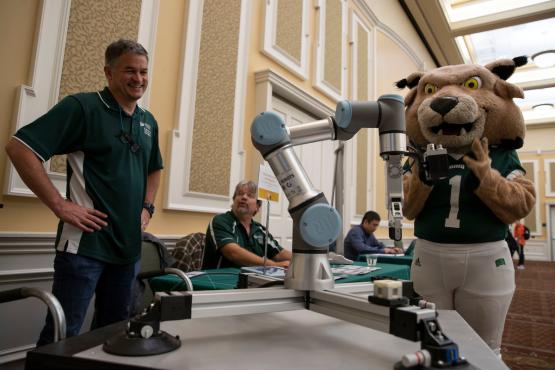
(225, 229)
(109, 156)
(453, 213)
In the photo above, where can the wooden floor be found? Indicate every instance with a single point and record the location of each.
(529, 336)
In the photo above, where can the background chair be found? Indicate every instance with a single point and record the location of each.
(151, 265)
(189, 252)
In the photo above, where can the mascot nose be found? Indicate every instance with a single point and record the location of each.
(444, 104)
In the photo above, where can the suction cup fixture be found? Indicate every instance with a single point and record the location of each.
(124, 344)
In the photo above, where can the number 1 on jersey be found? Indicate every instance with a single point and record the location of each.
(452, 221)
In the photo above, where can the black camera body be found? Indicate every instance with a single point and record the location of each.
(435, 162)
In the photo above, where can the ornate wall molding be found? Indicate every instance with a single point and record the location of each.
(323, 51)
(363, 6)
(178, 195)
(274, 51)
(46, 69)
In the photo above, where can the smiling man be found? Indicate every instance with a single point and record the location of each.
(113, 172)
(235, 239)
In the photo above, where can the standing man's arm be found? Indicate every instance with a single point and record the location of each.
(152, 183)
(33, 174)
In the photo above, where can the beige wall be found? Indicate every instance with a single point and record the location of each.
(539, 138)
(19, 17)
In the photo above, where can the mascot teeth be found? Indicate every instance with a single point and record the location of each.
(454, 129)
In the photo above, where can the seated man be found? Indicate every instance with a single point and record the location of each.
(234, 239)
(361, 240)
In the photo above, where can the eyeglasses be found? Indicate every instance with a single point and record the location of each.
(127, 139)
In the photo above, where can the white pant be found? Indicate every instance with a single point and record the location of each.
(476, 280)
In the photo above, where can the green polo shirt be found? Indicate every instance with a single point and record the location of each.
(102, 171)
(225, 229)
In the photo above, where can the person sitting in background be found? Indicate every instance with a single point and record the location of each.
(235, 239)
(361, 240)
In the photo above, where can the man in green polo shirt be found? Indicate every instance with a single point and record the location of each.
(235, 239)
(113, 172)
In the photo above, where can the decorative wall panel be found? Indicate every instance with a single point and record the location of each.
(286, 34)
(289, 27)
(362, 64)
(215, 98)
(92, 26)
(332, 59)
(331, 49)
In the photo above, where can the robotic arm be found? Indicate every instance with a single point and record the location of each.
(316, 223)
(387, 114)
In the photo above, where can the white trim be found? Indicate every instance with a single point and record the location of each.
(46, 71)
(148, 22)
(548, 185)
(273, 51)
(320, 83)
(548, 231)
(536, 169)
(274, 84)
(33, 101)
(178, 196)
(350, 216)
(355, 22)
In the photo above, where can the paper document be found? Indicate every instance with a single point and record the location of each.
(353, 270)
(272, 271)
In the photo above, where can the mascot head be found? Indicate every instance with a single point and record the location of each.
(454, 105)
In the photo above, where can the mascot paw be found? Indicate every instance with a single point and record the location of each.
(481, 164)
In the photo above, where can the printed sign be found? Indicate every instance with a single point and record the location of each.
(268, 186)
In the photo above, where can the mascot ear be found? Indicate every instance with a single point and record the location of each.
(504, 68)
(411, 82)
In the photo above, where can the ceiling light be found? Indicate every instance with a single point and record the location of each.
(544, 58)
(543, 107)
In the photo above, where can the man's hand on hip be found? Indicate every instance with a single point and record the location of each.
(86, 219)
(145, 219)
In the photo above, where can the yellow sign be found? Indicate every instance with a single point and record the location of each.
(268, 195)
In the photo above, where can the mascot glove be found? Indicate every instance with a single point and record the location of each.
(481, 166)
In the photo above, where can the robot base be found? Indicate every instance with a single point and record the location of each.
(125, 345)
(309, 271)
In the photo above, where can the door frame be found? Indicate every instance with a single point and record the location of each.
(548, 228)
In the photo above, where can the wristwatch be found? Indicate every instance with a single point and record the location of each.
(149, 207)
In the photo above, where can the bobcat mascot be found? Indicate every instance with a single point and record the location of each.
(461, 260)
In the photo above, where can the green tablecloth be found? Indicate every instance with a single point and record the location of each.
(226, 278)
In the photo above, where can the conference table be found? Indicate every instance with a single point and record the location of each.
(293, 338)
(227, 278)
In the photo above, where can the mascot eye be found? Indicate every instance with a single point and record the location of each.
(473, 83)
(430, 89)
